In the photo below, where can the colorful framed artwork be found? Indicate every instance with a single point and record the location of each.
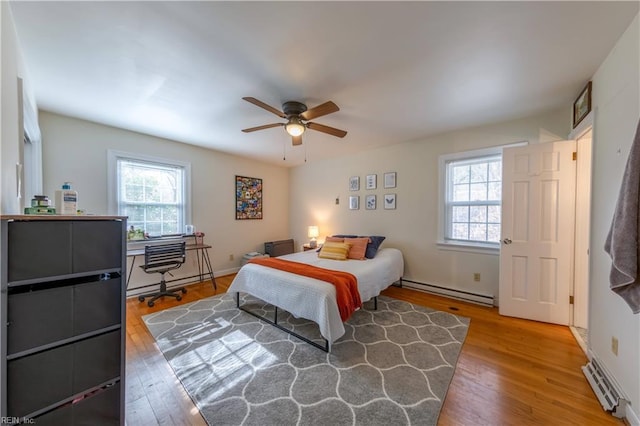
(354, 202)
(370, 202)
(354, 183)
(248, 198)
(390, 180)
(390, 201)
(372, 181)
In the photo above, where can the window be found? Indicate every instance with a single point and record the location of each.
(31, 149)
(151, 192)
(472, 200)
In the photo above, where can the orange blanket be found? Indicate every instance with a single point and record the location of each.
(347, 294)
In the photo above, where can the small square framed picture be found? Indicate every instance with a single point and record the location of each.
(370, 202)
(582, 105)
(372, 181)
(354, 183)
(354, 202)
(390, 201)
(390, 180)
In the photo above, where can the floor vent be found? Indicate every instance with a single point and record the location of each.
(605, 391)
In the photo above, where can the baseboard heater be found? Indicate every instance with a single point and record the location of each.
(467, 296)
(607, 393)
(279, 248)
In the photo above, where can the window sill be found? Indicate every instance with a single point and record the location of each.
(469, 247)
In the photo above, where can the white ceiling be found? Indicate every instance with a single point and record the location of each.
(399, 71)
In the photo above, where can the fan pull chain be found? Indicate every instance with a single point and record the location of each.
(284, 151)
(305, 152)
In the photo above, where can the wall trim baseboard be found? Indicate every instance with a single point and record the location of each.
(223, 272)
(466, 296)
(633, 418)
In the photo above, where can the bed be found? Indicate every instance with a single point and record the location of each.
(313, 299)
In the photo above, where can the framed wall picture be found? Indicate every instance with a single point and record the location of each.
(354, 183)
(372, 181)
(370, 202)
(390, 201)
(248, 198)
(354, 202)
(582, 105)
(390, 180)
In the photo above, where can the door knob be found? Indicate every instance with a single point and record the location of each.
(507, 241)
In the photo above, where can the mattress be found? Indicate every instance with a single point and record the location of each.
(313, 299)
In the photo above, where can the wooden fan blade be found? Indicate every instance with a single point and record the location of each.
(319, 111)
(265, 106)
(266, 126)
(296, 140)
(326, 129)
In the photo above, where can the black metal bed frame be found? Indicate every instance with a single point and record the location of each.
(274, 323)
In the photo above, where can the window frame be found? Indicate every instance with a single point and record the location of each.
(114, 179)
(30, 149)
(443, 242)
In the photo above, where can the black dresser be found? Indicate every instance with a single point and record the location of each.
(62, 328)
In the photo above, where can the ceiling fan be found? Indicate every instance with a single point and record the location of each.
(298, 117)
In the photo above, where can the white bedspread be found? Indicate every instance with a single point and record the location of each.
(314, 299)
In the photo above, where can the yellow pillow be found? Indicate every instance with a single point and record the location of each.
(334, 251)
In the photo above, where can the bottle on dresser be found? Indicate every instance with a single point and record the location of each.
(67, 200)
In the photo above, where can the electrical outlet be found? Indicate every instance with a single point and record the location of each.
(614, 345)
(231, 257)
(476, 276)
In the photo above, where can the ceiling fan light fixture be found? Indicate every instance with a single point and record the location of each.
(295, 127)
(298, 119)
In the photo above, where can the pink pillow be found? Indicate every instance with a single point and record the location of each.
(358, 247)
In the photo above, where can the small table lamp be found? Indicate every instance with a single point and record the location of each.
(313, 234)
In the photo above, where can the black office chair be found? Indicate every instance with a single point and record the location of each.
(161, 259)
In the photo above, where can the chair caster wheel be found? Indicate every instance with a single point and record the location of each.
(184, 290)
(141, 298)
(150, 303)
(178, 298)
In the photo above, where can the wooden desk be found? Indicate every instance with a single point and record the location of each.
(202, 254)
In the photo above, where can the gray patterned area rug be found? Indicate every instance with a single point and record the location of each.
(392, 367)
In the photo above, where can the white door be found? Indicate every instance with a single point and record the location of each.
(583, 221)
(536, 254)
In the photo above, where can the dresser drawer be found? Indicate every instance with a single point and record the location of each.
(38, 249)
(102, 409)
(38, 315)
(61, 372)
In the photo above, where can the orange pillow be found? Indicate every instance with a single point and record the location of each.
(358, 247)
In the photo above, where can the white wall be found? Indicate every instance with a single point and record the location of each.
(76, 150)
(616, 100)
(10, 132)
(413, 226)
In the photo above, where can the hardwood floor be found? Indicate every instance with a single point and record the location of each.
(510, 371)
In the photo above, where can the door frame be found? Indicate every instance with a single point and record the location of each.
(584, 172)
